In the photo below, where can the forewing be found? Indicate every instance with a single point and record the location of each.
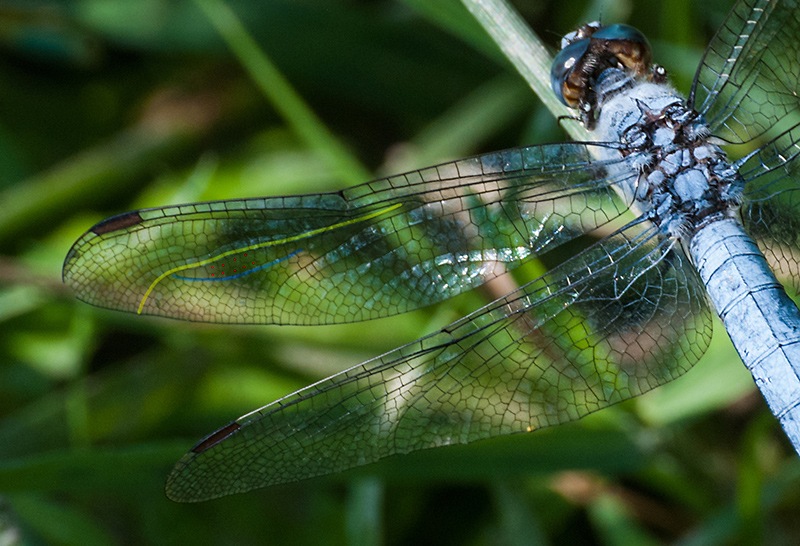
(747, 81)
(384, 247)
(616, 320)
(771, 204)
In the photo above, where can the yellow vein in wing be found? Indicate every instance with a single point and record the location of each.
(255, 246)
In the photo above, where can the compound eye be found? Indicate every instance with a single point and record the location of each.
(625, 33)
(562, 67)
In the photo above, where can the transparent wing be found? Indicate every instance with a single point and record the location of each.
(771, 205)
(614, 321)
(748, 79)
(383, 247)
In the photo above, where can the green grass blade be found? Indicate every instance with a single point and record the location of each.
(281, 94)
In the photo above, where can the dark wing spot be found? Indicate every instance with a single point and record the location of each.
(216, 437)
(121, 221)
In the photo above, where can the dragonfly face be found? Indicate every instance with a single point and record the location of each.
(621, 317)
(586, 53)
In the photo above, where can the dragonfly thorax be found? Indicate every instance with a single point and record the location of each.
(681, 179)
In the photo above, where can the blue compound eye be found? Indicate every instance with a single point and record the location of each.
(620, 32)
(562, 67)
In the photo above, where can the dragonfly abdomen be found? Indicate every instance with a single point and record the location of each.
(761, 320)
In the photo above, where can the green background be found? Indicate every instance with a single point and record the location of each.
(111, 105)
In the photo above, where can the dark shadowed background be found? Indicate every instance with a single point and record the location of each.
(109, 105)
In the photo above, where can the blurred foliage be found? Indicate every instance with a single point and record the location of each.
(109, 105)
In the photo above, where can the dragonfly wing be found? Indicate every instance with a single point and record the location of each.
(614, 321)
(380, 248)
(747, 82)
(771, 203)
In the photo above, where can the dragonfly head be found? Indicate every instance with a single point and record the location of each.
(590, 50)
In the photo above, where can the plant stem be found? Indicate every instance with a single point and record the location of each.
(526, 52)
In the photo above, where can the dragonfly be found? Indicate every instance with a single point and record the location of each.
(678, 231)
